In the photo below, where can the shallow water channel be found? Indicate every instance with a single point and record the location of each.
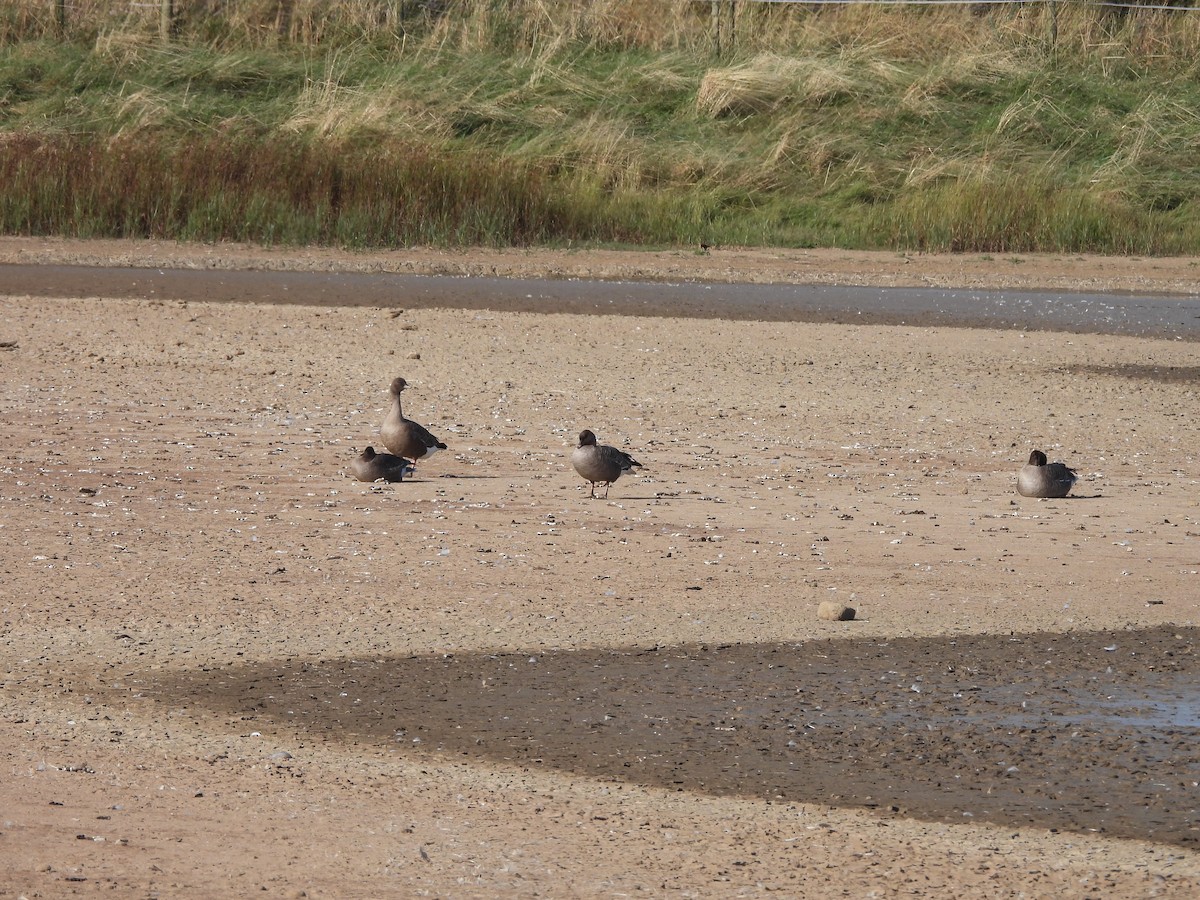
(1146, 315)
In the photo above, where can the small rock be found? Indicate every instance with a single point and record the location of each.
(832, 611)
(414, 356)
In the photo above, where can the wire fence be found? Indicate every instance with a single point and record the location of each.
(171, 14)
(724, 13)
(1182, 6)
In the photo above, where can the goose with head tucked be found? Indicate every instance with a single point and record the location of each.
(1039, 478)
(402, 436)
(600, 463)
(371, 466)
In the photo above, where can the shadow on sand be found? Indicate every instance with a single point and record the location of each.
(1093, 732)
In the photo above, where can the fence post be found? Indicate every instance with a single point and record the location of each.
(715, 24)
(60, 17)
(724, 22)
(1053, 26)
(166, 21)
(283, 18)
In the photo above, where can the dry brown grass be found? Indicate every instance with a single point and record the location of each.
(768, 81)
(551, 27)
(760, 85)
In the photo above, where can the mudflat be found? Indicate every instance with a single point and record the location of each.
(229, 668)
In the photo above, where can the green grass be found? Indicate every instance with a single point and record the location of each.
(548, 122)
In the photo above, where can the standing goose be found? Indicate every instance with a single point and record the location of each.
(600, 463)
(1039, 478)
(372, 466)
(405, 437)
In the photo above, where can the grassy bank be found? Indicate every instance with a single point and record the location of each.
(548, 122)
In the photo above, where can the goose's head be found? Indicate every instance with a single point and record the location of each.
(586, 438)
(1037, 458)
(398, 384)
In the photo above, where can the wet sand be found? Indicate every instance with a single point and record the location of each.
(231, 669)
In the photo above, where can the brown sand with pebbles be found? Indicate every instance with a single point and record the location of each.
(229, 668)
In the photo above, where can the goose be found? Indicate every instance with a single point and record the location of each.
(600, 463)
(1039, 478)
(405, 437)
(372, 466)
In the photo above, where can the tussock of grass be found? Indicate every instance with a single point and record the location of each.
(768, 82)
(759, 86)
(382, 123)
(1014, 215)
(288, 190)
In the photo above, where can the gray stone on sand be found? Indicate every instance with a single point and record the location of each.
(832, 611)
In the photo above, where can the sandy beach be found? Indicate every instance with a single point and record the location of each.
(230, 669)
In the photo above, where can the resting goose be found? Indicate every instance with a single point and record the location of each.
(1039, 478)
(600, 463)
(372, 466)
(405, 437)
